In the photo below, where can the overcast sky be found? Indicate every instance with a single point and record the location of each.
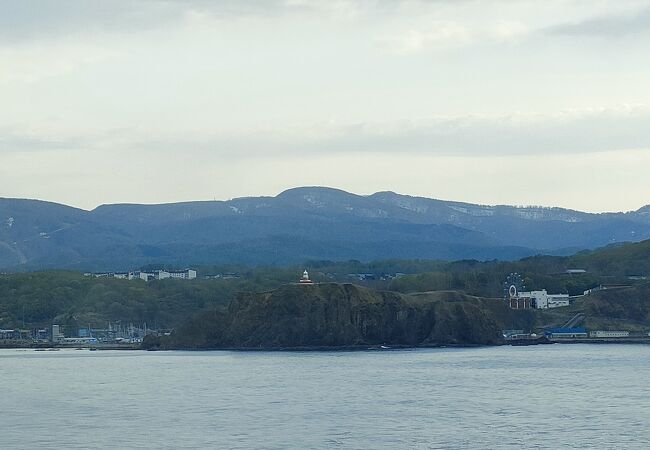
(497, 102)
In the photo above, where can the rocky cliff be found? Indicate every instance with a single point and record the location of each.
(340, 315)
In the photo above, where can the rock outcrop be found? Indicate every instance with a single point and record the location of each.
(338, 316)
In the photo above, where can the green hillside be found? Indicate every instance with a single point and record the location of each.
(621, 264)
(38, 299)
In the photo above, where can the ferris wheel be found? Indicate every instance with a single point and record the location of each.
(513, 285)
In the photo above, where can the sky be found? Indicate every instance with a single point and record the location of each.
(495, 102)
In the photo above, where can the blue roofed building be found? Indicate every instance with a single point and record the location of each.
(555, 333)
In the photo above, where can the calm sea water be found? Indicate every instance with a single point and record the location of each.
(555, 396)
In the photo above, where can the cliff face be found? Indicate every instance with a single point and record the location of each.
(340, 315)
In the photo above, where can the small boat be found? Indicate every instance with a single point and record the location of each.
(384, 347)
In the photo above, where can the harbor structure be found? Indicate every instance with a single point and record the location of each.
(57, 335)
(566, 333)
(609, 334)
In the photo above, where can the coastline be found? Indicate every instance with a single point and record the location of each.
(53, 346)
(362, 348)
(346, 348)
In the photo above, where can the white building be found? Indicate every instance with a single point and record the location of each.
(120, 275)
(609, 334)
(80, 340)
(57, 336)
(146, 275)
(544, 300)
(154, 275)
(187, 274)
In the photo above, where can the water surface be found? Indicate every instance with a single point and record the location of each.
(569, 396)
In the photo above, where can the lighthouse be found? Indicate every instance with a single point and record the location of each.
(305, 279)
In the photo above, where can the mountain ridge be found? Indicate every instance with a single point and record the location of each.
(300, 223)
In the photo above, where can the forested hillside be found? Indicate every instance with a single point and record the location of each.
(37, 299)
(41, 298)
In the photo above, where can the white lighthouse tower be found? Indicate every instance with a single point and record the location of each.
(305, 279)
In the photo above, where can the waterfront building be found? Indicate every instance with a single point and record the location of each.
(609, 334)
(566, 333)
(80, 340)
(57, 335)
(9, 334)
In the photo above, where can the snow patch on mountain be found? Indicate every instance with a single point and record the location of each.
(410, 205)
(311, 199)
(476, 212)
(545, 214)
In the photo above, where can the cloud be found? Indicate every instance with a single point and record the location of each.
(580, 132)
(612, 25)
(24, 20)
(577, 132)
(31, 61)
(14, 141)
(438, 35)
(448, 35)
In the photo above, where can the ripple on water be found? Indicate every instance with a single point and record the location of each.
(575, 396)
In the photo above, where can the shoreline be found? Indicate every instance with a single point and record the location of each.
(353, 348)
(640, 340)
(52, 346)
(321, 348)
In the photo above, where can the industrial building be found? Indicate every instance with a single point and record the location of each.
(57, 335)
(80, 340)
(520, 302)
(609, 334)
(542, 299)
(564, 333)
(9, 334)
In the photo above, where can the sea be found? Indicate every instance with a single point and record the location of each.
(538, 397)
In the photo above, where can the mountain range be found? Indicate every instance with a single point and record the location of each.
(299, 224)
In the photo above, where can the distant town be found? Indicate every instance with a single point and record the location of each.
(114, 335)
(186, 274)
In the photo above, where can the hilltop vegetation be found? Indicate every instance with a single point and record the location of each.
(39, 299)
(610, 265)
